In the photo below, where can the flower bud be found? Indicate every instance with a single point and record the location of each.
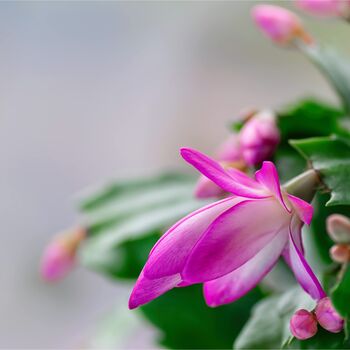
(59, 256)
(229, 155)
(327, 317)
(340, 253)
(325, 8)
(338, 228)
(279, 24)
(303, 324)
(259, 138)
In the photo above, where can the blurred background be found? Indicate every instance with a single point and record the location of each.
(97, 90)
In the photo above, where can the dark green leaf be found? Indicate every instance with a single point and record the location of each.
(322, 340)
(308, 118)
(341, 294)
(330, 156)
(188, 323)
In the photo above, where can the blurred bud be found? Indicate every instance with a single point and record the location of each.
(59, 256)
(229, 155)
(327, 317)
(303, 324)
(259, 137)
(340, 253)
(338, 228)
(229, 150)
(279, 24)
(325, 8)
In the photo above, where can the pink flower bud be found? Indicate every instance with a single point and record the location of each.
(59, 256)
(259, 138)
(229, 150)
(303, 324)
(325, 8)
(229, 156)
(340, 253)
(338, 228)
(279, 24)
(327, 317)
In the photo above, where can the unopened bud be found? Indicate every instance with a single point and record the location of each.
(279, 24)
(338, 228)
(327, 317)
(325, 8)
(230, 156)
(303, 324)
(59, 256)
(340, 253)
(259, 137)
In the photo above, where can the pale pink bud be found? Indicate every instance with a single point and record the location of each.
(325, 8)
(229, 155)
(327, 317)
(338, 228)
(279, 24)
(303, 324)
(59, 256)
(229, 150)
(259, 138)
(340, 253)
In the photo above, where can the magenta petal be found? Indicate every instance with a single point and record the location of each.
(234, 285)
(302, 271)
(268, 177)
(169, 254)
(235, 181)
(146, 290)
(304, 210)
(233, 238)
(206, 188)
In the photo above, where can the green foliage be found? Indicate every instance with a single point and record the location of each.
(268, 327)
(335, 68)
(341, 294)
(322, 340)
(330, 156)
(125, 220)
(187, 322)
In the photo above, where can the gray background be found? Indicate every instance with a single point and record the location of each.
(91, 91)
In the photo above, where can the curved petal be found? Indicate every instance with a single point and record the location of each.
(234, 285)
(233, 238)
(302, 270)
(169, 254)
(146, 290)
(268, 177)
(304, 210)
(235, 181)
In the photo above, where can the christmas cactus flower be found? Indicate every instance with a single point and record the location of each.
(232, 244)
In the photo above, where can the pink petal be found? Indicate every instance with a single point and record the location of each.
(268, 177)
(303, 209)
(234, 285)
(233, 238)
(146, 290)
(235, 181)
(169, 254)
(300, 267)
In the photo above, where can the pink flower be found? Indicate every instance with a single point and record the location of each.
(229, 155)
(232, 244)
(338, 228)
(59, 256)
(279, 24)
(324, 8)
(303, 324)
(259, 138)
(327, 317)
